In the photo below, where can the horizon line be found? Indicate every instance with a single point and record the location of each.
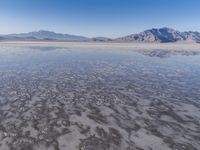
(38, 30)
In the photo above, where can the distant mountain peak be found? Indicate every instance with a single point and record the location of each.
(159, 35)
(44, 34)
(162, 35)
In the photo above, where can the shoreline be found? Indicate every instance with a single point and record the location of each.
(106, 45)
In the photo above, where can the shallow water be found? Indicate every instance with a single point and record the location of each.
(89, 99)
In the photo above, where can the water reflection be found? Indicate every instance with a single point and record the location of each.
(98, 99)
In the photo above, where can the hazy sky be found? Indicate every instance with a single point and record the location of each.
(110, 18)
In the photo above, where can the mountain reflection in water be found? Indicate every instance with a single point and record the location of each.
(87, 99)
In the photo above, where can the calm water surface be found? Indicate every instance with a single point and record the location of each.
(87, 99)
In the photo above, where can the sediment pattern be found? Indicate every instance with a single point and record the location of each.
(68, 99)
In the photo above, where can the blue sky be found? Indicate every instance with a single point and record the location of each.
(91, 18)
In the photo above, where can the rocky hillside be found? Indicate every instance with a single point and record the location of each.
(161, 35)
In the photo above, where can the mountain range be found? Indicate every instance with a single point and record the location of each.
(161, 35)
(44, 35)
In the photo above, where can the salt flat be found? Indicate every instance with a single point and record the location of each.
(108, 45)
